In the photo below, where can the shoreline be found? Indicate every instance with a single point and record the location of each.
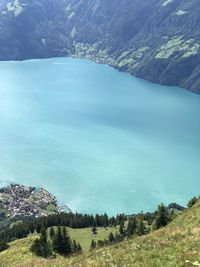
(103, 62)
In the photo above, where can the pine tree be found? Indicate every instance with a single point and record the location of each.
(140, 228)
(79, 248)
(121, 229)
(105, 220)
(117, 237)
(66, 243)
(57, 241)
(52, 232)
(43, 235)
(74, 247)
(38, 228)
(111, 238)
(94, 230)
(192, 202)
(41, 247)
(162, 217)
(35, 248)
(131, 227)
(3, 246)
(93, 244)
(31, 228)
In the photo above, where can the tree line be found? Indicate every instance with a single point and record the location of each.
(138, 224)
(28, 226)
(73, 220)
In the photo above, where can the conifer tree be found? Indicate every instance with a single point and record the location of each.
(57, 241)
(140, 227)
(3, 246)
(117, 237)
(66, 243)
(121, 229)
(35, 248)
(162, 217)
(79, 248)
(38, 228)
(43, 235)
(41, 247)
(74, 247)
(52, 232)
(111, 238)
(131, 227)
(93, 244)
(94, 230)
(192, 202)
(105, 220)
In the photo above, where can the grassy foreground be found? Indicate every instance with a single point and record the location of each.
(178, 244)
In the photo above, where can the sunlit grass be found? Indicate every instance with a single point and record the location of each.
(177, 245)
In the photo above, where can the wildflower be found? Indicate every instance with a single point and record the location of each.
(196, 263)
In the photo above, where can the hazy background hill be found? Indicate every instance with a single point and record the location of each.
(158, 40)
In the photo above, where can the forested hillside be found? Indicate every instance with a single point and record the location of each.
(157, 40)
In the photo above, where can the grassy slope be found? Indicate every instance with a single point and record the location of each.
(84, 236)
(19, 250)
(176, 245)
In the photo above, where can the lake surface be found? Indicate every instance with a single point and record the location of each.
(100, 140)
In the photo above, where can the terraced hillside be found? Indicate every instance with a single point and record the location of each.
(178, 244)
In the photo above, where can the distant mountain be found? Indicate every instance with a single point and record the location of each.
(158, 40)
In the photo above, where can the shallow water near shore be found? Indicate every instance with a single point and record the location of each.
(99, 139)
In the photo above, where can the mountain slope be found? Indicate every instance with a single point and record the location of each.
(178, 244)
(158, 40)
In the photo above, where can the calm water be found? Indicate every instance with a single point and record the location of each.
(100, 140)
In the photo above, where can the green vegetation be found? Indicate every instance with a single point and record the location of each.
(85, 236)
(94, 230)
(41, 246)
(51, 208)
(3, 246)
(29, 225)
(61, 242)
(120, 33)
(131, 57)
(178, 44)
(177, 244)
(20, 250)
(162, 217)
(192, 202)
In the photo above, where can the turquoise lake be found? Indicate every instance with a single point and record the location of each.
(100, 140)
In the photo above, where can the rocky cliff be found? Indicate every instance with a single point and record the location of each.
(158, 40)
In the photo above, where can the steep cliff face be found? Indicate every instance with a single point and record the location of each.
(158, 40)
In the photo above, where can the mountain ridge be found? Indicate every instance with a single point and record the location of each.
(157, 40)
